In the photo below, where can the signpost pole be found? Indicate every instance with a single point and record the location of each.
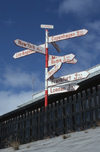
(46, 68)
(31, 48)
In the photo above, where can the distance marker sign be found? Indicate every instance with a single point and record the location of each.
(68, 78)
(67, 35)
(26, 52)
(30, 46)
(55, 90)
(60, 59)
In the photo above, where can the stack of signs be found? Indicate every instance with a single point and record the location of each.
(65, 83)
(57, 85)
(31, 48)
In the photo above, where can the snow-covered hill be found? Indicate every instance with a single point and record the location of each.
(83, 141)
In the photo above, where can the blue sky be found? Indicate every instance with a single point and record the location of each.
(22, 19)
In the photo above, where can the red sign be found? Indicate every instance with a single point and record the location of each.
(67, 35)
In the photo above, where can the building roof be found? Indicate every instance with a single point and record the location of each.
(38, 99)
(94, 71)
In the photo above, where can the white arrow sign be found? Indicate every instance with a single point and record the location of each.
(25, 52)
(41, 48)
(68, 78)
(67, 35)
(53, 70)
(60, 59)
(30, 46)
(55, 90)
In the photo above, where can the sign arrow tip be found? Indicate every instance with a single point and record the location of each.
(14, 56)
(86, 31)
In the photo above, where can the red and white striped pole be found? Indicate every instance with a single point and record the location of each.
(46, 68)
(46, 60)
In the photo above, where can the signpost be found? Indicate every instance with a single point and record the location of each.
(47, 74)
(67, 88)
(67, 35)
(55, 85)
(30, 46)
(46, 67)
(60, 59)
(23, 53)
(68, 78)
(52, 57)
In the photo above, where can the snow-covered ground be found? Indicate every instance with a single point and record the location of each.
(83, 141)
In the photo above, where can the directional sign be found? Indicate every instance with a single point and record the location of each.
(30, 46)
(25, 52)
(73, 61)
(55, 90)
(53, 70)
(68, 78)
(67, 35)
(47, 26)
(62, 59)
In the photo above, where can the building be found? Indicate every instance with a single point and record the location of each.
(66, 112)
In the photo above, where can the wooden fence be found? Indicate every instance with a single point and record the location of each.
(72, 113)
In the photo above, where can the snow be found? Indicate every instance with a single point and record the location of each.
(83, 141)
